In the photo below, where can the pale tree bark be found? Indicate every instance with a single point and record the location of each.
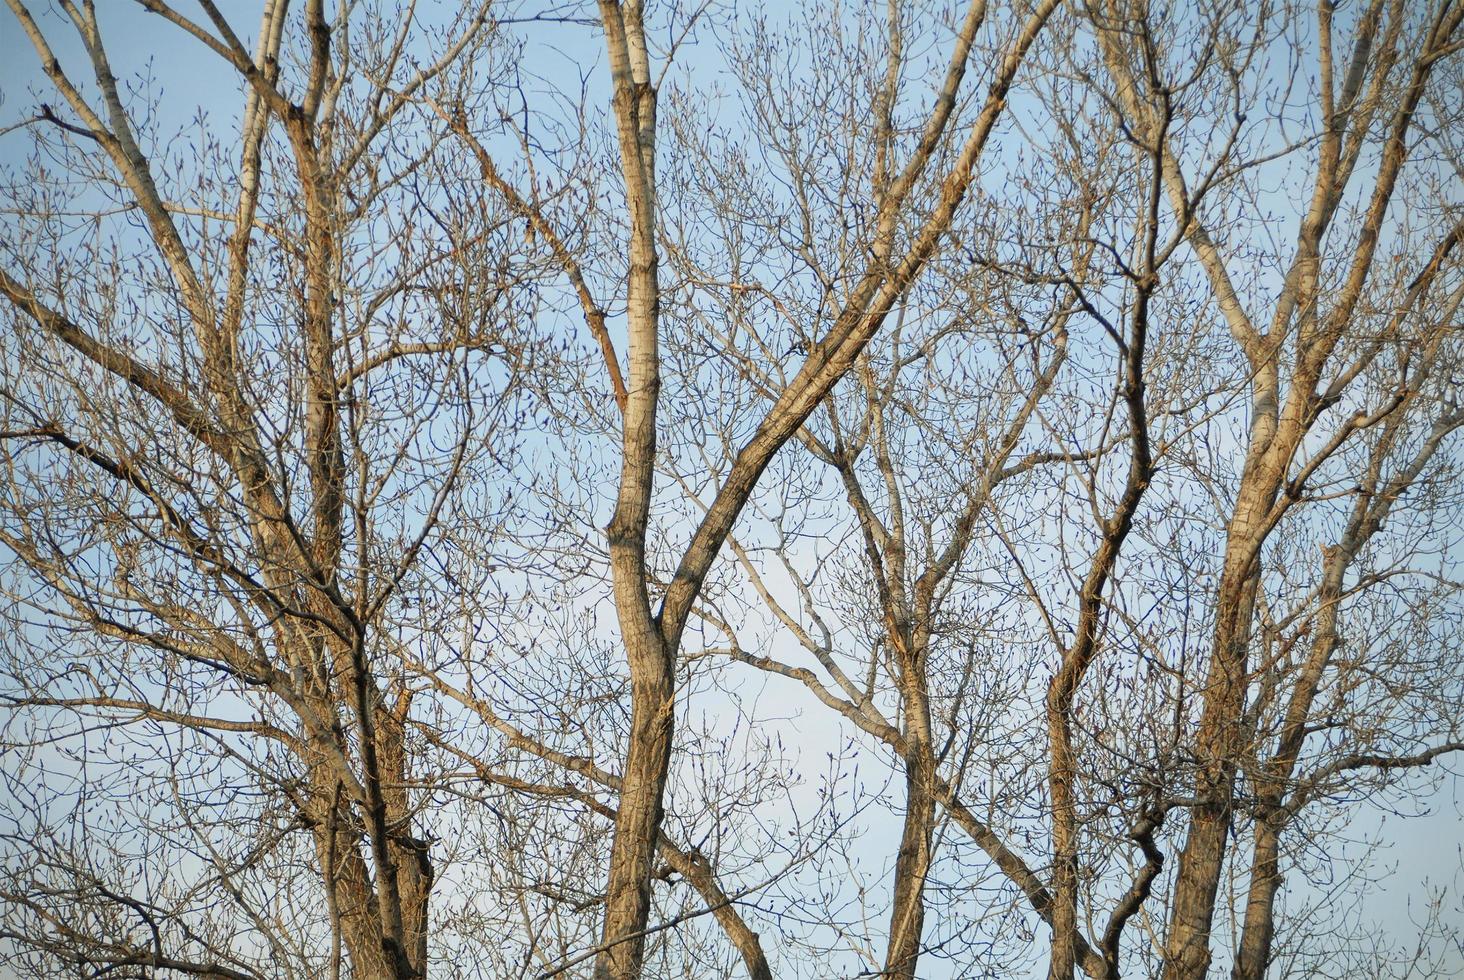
(1276, 437)
(650, 659)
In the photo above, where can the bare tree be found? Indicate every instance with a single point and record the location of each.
(913, 193)
(1305, 355)
(1119, 766)
(434, 490)
(273, 501)
(205, 441)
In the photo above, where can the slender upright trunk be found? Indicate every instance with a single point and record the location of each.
(650, 648)
(1064, 841)
(1260, 903)
(652, 640)
(351, 895)
(1062, 690)
(1279, 427)
(912, 864)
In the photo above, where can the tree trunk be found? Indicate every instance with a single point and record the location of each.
(638, 822)
(912, 865)
(413, 862)
(1064, 843)
(351, 896)
(650, 654)
(1260, 904)
(1218, 748)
